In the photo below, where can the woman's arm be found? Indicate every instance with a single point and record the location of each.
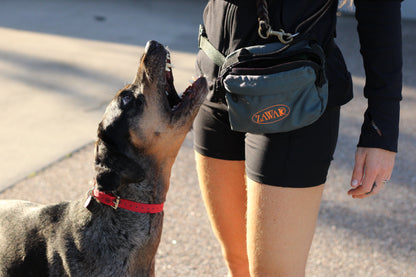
(379, 29)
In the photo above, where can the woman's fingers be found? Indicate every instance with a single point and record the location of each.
(372, 170)
(358, 172)
(375, 188)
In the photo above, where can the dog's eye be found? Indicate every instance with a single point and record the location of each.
(126, 98)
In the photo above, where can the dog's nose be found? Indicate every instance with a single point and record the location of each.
(150, 45)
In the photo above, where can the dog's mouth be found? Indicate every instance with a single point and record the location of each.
(173, 98)
(159, 66)
(192, 94)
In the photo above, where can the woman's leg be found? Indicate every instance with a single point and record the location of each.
(223, 189)
(280, 227)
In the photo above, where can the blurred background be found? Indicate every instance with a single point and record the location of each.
(61, 62)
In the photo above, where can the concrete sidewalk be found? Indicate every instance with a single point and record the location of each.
(60, 64)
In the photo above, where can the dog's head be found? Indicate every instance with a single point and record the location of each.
(145, 122)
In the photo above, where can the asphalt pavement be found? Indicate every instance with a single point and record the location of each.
(61, 62)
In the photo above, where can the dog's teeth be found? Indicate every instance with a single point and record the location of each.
(169, 67)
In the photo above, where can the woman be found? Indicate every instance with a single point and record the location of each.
(263, 192)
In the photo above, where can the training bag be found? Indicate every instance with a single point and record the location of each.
(275, 87)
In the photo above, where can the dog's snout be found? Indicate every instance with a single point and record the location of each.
(151, 45)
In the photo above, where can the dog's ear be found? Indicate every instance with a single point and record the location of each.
(107, 176)
(107, 180)
(114, 169)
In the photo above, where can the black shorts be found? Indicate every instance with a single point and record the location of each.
(299, 158)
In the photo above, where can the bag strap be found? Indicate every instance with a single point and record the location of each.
(205, 45)
(264, 31)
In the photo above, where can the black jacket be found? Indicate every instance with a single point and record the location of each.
(232, 24)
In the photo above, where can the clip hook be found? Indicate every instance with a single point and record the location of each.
(281, 34)
(263, 26)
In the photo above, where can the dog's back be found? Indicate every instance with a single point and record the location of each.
(68, 240)
(22, 243)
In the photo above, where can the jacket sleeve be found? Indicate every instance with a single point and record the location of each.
(379, 30)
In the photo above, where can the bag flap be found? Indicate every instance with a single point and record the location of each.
(281, 82)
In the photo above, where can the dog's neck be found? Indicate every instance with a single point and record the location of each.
(155, 184)
(131, 174)
(145, 191)
(152, 189)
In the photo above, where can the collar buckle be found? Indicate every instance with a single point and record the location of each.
(116, 202)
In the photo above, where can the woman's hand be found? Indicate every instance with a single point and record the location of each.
(372, 170)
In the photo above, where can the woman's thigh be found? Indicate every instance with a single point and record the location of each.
(280, 227)
(223, 190)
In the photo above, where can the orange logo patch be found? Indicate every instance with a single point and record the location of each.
(271, 114)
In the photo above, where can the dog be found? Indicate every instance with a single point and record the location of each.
(115, 230)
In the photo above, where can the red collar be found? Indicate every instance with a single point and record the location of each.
(116, 202)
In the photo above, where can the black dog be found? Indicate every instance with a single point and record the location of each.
(117, 229)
